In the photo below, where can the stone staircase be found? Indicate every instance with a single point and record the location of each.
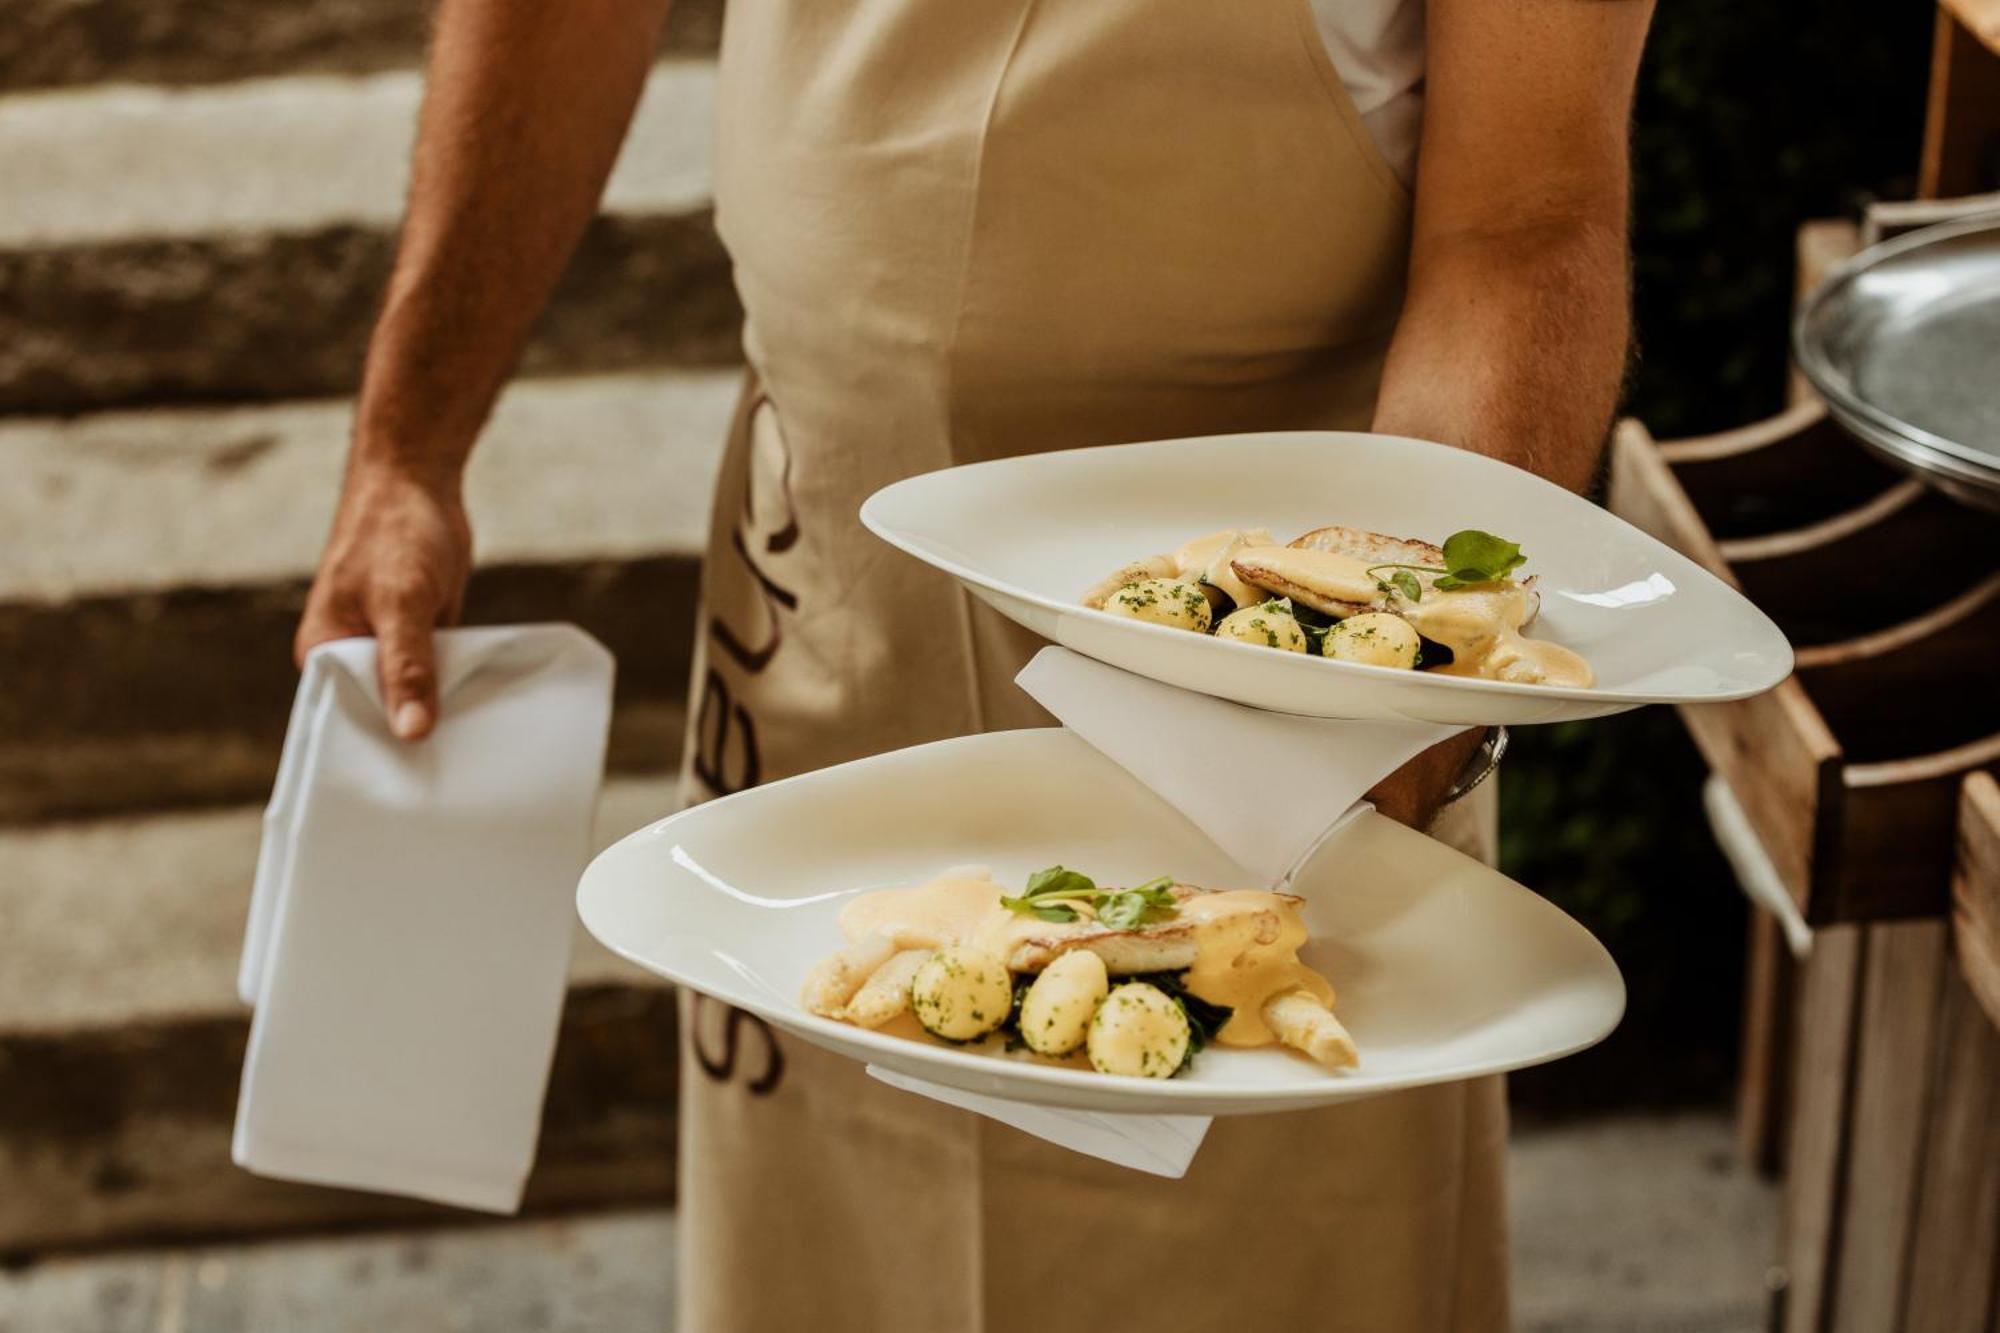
(200, 199)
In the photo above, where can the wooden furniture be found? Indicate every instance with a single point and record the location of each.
(1871, 1070)
(1849, 772)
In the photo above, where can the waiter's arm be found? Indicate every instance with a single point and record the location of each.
(526, 105)
(1514, 335)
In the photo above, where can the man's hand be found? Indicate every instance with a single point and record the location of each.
(525, 106)
(395, 567)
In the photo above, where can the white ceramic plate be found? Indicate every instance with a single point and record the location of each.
(1445, 969)
(1030, 534)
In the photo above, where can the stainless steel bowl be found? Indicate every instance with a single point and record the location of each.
(1903, 342)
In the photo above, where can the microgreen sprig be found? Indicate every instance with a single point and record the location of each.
(1470, 556)
(1052, 894)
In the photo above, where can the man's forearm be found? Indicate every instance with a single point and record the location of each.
(1513, 342)
(525, 108)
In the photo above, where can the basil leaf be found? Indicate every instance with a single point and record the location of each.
(1406, 583)
(1447, 582)
(1479, 557)
(1063, 883)
(1060, 912)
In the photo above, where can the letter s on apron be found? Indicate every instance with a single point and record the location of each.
(965, 229)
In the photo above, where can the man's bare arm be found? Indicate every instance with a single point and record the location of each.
(527, 104)
(1514, 335)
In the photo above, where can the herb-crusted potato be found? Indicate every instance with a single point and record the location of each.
(1168, 602)
(1374, 638)
(1267, 624)
(1140, 1031)
(961, 994)
(1056, 1012)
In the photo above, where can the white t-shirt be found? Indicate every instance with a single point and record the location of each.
(1377, 46)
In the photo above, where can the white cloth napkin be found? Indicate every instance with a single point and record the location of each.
(1311, 773)
(408, 938)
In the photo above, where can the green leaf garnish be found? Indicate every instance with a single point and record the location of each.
(1056, 880)
(1470, 556)
(1120, 909)
(1473, 556)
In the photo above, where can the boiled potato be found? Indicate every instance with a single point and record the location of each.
(1169, 602)
(1373, 638)
(1056, 1012)
(1139, 1030)
(961, 994)
(1267, 624)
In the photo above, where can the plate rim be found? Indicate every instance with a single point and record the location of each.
(1464, 685)
(1147, 1095)
(1922, 451)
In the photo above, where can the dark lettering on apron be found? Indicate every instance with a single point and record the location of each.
(723, 1069)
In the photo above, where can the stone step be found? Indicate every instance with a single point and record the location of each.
(153, 565)
(232, 242)
(121, 1041)
(1630, 1224)
(60, 43)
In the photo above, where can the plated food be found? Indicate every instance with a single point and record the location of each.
(1132, 981)
(1353, 596)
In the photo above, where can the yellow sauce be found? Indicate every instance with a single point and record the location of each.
(1482, 627)
(1208, 558)
(1481, 624)
(1246, 940)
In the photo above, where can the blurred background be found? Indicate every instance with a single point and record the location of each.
(198, 201)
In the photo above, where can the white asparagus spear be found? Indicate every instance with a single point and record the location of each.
(886, 993)
(830, 985)
(1304, 1024)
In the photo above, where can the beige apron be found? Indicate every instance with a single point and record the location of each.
(964, 229)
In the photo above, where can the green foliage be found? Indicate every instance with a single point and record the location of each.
(1753, 118)
(1605, 819)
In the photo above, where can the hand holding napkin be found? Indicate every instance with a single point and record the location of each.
(408, 940)
(1311, 774)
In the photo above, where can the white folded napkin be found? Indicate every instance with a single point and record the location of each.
(1162, 1145)
(1312, 773)
(408, 939)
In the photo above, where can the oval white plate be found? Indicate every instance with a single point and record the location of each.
(1030, 534)
(1445, 969)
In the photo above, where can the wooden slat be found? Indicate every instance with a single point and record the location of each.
(1954, 1251)
(1980, 17)
(1821, 1082)
(1962, 116)
(1813, 580)
(1900, 692)
(1773, 750)
(1976, 891)
(1764, 1072)
(1783, 766)
(1822, 245)
(1777, 474)
(1901, 981)
(1891, 856)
